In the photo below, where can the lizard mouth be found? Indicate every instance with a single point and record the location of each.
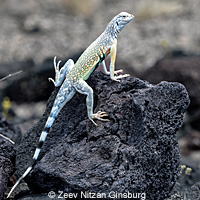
(130, 18)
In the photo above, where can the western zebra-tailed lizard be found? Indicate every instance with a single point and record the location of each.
(76, 74)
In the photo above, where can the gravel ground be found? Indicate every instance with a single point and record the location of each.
(42, 29)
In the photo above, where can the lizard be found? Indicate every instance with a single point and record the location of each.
(72, 77)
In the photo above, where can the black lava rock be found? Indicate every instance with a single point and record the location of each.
(191, 193)
(7, 152)
(135, 152)
(10, 131)
(6, 168)
(37, 197)
(184, 69)
(31, 85)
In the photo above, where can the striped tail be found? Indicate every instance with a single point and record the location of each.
(43, 136)
(25, 173)
(65, 93)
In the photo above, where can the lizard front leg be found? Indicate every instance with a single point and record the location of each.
(113, 52)
(60, 74)
(82, 87)
(107, 72)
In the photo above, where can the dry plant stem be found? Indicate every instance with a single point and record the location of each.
(7, 138)
(10, 75)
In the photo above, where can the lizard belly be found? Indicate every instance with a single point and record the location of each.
(101, 56)
(92, 62)
(90, 71)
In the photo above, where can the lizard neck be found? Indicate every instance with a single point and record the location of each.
(112, 30)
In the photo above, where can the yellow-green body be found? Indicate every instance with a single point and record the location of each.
(91, 58)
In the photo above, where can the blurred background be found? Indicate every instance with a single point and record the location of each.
(161, 43)
(42, 29)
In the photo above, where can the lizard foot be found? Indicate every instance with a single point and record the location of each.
(98, 116)
(119, 77)
(57, 71)
(115, 72)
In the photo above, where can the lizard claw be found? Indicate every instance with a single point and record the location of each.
(50, 79)
(56, 65)
(58, 72)
(118, 71)
(98, 116)
(119, 77)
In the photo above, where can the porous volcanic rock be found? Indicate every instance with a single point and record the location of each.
(136, 151)
(191, 193)
(7, 152)
(183, 68)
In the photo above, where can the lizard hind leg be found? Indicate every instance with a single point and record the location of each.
(82, 87)
(60, 74)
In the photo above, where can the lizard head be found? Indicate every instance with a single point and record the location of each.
(119, 21)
